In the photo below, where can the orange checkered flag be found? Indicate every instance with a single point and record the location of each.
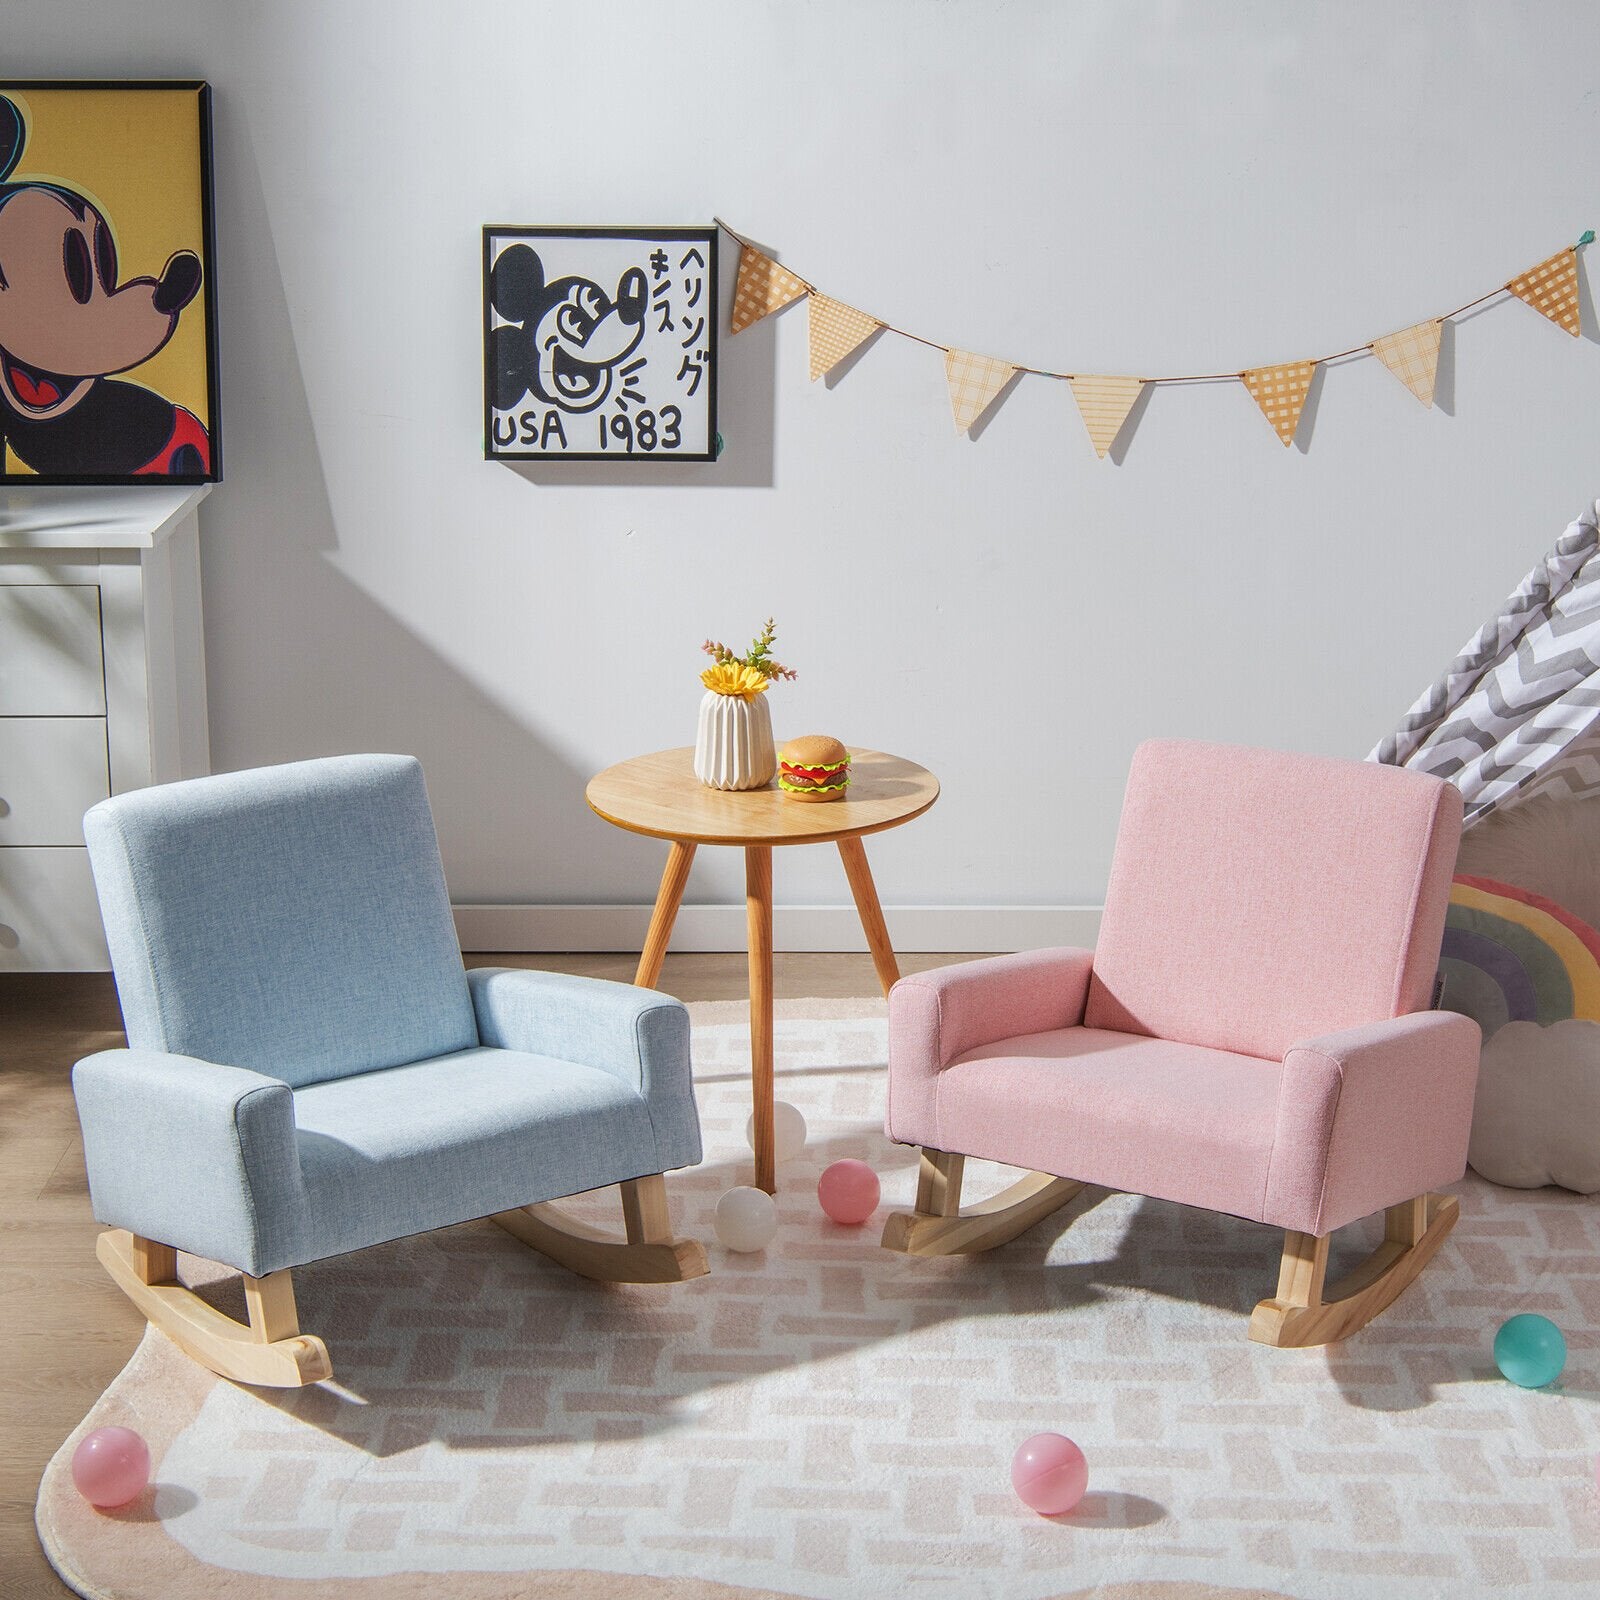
(1281, 394)
(762, 288)
(1104, 404)
(974, 382)
(1412, 355)
(1551, 288)
(836, 330)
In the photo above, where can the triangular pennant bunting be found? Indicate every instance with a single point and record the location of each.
(762, 288)
(1104, 404)
(1281, 393)
(1551, 288)
(1412, 355)
(974, 382)
(1107, 403)
(836, 330)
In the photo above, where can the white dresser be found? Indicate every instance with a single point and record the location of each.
(102, 688)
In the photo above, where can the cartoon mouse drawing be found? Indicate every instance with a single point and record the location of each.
(67, 326)
(561, 341)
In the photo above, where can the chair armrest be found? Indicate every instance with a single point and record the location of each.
(937, 1016)
(192, 1154)
(1371, 1116)
(942, 1014)
(638, 1035)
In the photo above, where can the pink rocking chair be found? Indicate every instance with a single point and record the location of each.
(1251, 1033)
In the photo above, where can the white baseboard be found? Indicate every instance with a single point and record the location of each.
(913, 929)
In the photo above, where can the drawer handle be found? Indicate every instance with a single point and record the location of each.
(9, 939)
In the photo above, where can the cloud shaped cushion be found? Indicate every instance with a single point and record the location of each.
(1537, 1115)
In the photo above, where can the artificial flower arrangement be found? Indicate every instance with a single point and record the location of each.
(747, 675)
(733, 747)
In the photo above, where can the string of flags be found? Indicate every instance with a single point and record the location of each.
(1105, 402)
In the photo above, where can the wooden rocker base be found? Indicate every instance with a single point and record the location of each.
(271, 1352)
(649, 1254)
(1302, 1313)
(939, 1227)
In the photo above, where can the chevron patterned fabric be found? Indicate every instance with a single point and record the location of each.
(829, 1420)
(1517, 713)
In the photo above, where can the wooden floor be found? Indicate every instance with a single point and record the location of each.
(66, 1331)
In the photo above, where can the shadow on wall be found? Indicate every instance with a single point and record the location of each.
(301, 661)
(1586, 311)
(1444, 375)
(1308, 412)
(746, 376)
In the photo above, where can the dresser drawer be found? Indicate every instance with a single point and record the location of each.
(50, 662)
(49, 917)
(52, 769)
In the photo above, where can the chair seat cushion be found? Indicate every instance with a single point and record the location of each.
(458, 1136)
(1175, 1121)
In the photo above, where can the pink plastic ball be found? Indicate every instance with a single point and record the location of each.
(848, 1191)
(1049, 1474)
(111, 1466)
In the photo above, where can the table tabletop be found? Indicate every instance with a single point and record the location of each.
(659, 795)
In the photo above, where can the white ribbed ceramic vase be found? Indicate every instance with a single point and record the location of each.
(734, 749)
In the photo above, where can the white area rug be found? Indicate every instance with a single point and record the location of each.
(830, 1420)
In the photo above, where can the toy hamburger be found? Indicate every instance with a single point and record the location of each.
(814, 767)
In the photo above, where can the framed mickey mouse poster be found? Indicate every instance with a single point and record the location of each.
(108, 351)
(599, 344)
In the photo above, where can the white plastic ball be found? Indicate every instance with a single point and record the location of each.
(788, 1131)
(746, 1219)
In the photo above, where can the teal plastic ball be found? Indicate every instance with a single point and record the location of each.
(1530, 1350)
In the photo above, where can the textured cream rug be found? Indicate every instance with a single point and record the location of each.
(830, 1420)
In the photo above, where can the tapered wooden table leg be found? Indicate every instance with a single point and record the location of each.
(758, 920)
(668, 898)
(854, 854)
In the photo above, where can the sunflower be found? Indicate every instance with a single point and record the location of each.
(734, 678)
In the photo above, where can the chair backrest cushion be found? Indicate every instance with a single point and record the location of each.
(290, 919)
(1258, 899)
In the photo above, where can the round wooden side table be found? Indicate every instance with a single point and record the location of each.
(659, 795)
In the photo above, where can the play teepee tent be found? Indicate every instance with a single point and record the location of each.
(1517, 713)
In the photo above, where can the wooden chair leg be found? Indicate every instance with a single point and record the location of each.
(939, 1227)
(645, 1217)
(1304, 1313)
(939, 1183)
(271, 1352)
(270, 1304)
(1407, 1222)
(154, 1263)
(649, 1253)
(1303, 1272)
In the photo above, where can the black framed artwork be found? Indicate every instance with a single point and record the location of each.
(108, 323)
(599, 344)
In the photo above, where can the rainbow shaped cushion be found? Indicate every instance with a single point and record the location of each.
(1511, 955)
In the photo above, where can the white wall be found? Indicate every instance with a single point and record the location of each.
(1110, 186)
